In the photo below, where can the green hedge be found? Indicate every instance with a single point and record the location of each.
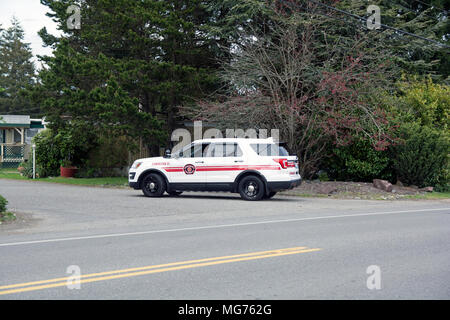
(3, 204)
(422, 158)
(359, 161)
(48, 154)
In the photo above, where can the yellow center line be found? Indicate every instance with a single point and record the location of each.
(150, 267)
(109, 275)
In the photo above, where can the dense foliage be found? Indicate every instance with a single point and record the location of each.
(3, 203)
(422, 158)
(129, 67)
(352, 103)
(66, 147)
(359, 161)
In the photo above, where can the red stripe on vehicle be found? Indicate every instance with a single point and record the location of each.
(224, 168)
(173, 169)
(238, 168)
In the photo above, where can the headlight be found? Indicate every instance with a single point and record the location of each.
(136, 164)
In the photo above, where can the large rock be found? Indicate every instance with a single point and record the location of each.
(382, 185)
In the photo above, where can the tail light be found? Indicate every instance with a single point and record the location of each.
(282, 162)
(291, 164)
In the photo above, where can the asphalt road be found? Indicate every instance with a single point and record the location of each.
(216, 246)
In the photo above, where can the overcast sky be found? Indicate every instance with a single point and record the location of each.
(31, 15)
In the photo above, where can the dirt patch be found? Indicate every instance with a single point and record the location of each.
(22, 221)
(351, 190)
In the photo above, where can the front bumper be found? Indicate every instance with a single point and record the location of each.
(283, 185)
(134, 185)
(131, 183)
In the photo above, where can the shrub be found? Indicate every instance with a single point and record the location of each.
(67, 146)
(26, 169)
(323, 176)
(427, 102)
(3, 203)
(422, 157)
(48, 154)
(359, 161)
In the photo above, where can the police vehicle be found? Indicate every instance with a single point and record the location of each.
(255, 168)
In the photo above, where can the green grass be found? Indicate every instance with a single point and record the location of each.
(104, 182)
(10, 174)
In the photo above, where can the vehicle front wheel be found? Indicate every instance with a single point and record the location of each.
(153, 185)
(251, 188)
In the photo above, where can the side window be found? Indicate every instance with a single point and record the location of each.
(220, 150)
(194, 150)
(232, 150)
(200, 150)
(271, 149)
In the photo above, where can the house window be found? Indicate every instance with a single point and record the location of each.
(17, 137)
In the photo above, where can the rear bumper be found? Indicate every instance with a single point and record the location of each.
(283, 185)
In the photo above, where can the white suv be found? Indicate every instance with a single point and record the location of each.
(255, 168)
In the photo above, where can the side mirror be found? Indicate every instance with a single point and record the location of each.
(167, 153)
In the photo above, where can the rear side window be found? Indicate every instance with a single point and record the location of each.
(269, 149)
(224, 150)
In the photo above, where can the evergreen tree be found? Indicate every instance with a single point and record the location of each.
(425, 18)
(156, 53)
(16, 70)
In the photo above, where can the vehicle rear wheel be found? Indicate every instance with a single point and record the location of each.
(251, 188)
(153, 185)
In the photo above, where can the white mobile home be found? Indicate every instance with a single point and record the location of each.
(16, 132)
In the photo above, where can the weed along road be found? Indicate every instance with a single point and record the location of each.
(73, 242)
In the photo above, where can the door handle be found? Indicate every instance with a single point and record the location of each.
(199, 162)
(238, 160)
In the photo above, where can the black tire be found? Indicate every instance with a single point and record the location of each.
(251, 188)
(153, 185)
(175, 193)
(270, 195)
